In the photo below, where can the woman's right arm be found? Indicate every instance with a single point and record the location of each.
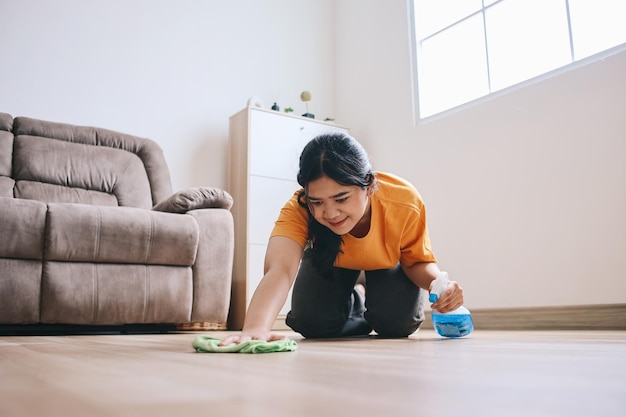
(281, 264)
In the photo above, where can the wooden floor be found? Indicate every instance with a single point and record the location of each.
(489, 373)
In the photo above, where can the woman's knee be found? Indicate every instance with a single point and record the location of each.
(395, 305)
(319, 321)
(394, 327)
(314, 326)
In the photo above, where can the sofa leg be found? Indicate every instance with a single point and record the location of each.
(201, 326)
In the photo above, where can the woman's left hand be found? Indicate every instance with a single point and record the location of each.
(451, 298)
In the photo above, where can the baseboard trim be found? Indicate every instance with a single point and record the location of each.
(583, 317)
(279, 323)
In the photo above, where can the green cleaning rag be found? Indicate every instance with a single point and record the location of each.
(207, 344)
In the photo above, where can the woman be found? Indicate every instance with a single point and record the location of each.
(347, 219)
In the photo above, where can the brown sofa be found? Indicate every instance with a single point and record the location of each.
(92, 234)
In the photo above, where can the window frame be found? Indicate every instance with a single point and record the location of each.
(414, 64)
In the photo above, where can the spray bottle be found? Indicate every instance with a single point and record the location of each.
(457, 323)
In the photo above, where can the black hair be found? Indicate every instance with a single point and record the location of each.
(341, 158)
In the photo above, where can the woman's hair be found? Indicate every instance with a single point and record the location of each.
(341, 158)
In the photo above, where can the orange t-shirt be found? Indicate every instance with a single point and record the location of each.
(398, 231)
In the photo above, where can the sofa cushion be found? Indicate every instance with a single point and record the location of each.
(6, 151)
(22, 225)
(52, 193)
(6, 186)
(20, 289)
(149, 152)
(85, 233)
(6, 122)
(68, 165)
(196, 198)
(89, 293)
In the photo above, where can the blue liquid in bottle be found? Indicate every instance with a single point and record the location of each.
(457, 323)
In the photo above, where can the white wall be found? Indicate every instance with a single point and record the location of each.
(173, 71)
(525, 192)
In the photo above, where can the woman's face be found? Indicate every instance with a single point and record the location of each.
(339, 207)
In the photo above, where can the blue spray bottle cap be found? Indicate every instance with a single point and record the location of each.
(439, 286)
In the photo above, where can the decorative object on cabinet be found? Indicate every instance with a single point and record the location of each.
(265, 148)
(306, 97)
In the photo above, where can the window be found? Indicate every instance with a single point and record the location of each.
(467, 49)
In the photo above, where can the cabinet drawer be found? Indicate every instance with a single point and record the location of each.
(275, 147)
(267, 197)
(255, 274)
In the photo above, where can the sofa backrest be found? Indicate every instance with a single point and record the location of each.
(6, 151)
(63, 163)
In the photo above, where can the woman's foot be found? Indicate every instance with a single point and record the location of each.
(360, 288)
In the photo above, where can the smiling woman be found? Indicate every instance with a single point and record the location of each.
(347, 219)
(333, 165)
(346, 211)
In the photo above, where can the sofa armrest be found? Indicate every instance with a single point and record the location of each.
(213, 270)
(195, 198)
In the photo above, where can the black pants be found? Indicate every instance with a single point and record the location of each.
(323, 306)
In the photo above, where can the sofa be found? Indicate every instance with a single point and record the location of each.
(92, 234)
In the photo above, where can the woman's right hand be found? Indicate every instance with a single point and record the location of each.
(281, 264)
(246, 336)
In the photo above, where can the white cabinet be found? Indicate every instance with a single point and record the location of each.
(265, 147)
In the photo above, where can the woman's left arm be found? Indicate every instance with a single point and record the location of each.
(423, 274)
